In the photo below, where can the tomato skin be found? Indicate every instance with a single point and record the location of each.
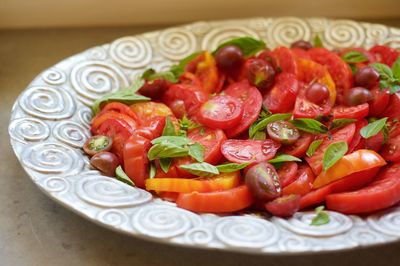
(391, 150)
(282, 97)
(384, 54)
(251, 102)
(99, 120)
(285, 60)
(382, 193)
(243, 151)
(357, 161)
(356, 112)
(284, 206)
(375, 142)
(379, 102)
(287, 173)
(299, 148)
(357, 139)
(152, 128)
(393, 108)
(231, 200)
(135, 159)
(119, 108)
(212, 141)
(303, 184)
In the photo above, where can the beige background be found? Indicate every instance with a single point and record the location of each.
(67, 13)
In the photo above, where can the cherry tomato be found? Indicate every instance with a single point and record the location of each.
(306, 109)
(384, 54)
(211, 140)
(391, 150)
(299, 148)
(344, 134)
(243, 151)
(282, 96)
(229, 59)
(147, 111)
(301, 44)
(284, 206)
(207, 73)
(268, 57)
(382, 193)
(355, 142)
(285, 60)
(96, 144)
(263, 181)
(135, 159)
(231, 200)
(317, 93)
(222, 112)
(259, 73)
(356, 112)
(357, 96)
(393, 108)
(119, 108)
(106, 162)
(357, 161)
(303, 183)
(283, 132)
(366, 77)
(251, 101)
(287, 173)
(154, 89)
(219, 182)
(379, 102)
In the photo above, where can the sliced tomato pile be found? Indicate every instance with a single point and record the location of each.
(245, 127)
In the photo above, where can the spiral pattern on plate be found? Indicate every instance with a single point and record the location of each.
(47, 102)
(300, 223)
(246, 232)
(97, 53)
(94, 79)
(387, 222)
(293, 242)
(55, 184)
(108, 192)
(163, 221)
(28, 129)
(288, 30)
(198, 236)
(50, 158)
(71, 133)
(54, 76)
(176, 43)
(375, 33)
(343, 33)
(113, 217)
(365, 236)
(131, 52)
(85, 116)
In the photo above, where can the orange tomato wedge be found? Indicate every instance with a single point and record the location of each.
(146, 111)
(357, 161)
(207, 73)
(219, 182)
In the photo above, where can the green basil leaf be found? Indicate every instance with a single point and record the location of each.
(187, 124)
(373, 128)
(313, 147)
(280, 158)
(353, 68)
(200, 169)
(261, 125)
(196, 151)
(165, 164)
(248, 45)
(150, 75)
(317, 42)
(231, 167)
(179, 69)
(166, 150)
(396, 69)
(177, 140)
(384, 71)
(121, 176)
(334, 153)
(321, 217)
(169, 128)
(341, 122)
(354, 57)
(152, 170)
(309, 125)
(260, 135)
(394, 88)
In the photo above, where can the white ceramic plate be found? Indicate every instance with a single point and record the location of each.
(50, 121)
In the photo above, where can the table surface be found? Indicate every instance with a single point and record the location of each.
(34, 230)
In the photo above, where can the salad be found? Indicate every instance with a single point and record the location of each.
(245, 126)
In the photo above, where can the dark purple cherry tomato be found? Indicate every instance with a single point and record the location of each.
(317, 93)
(106, 162)
(263, 181)
(283, 131)
(259, 73)
(284, 206)
(357, 96)
(229, 58)
(97, 144)
(366, 77)
(302, 45)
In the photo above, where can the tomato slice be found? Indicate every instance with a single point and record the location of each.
(375, 142)
(303, 184)
(356, 141)
(391, 150)
(152, 128)
(287, 173)
(119, 108)
(285, 60)
(211, 140)
(243, 151)
(147, 111)
(357, 161)
(384, 54)
(344, 134)
(282, 96)
(299, 148)
(379, 101)
(221, 111)
(231, 200)
(219, 182)
(393, 108)
(349, 183)
(306, 109)
(301, 53)
(251, 101)
(207, 73)
(135, 159)
(99, 119)
(284, 206)
(380, 194)
(356, 112)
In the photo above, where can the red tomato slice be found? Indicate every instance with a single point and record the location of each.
(375, 142)
(99, 119)
(221, 112)
(287, 173)
(243, 151)
(379, 101)
(301, 53)
(356, 112)
(391, 150)
(380, 194)
(119, 108)
(349, 183)
(135, 159)
(284, 206)
(282, 96)
(251, 101)
(299, 148)
(211, 140)
(153, 128)
(384, 54)
(344, 134)
(306, 109)
(393, 108)
(231, 200)
(207, 73)
(303, 184)
(147, 111)
(355, 142)
(285, 60)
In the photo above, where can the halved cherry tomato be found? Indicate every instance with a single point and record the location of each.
(303, 184)
(285, 60)
(207, 73)
(379, 102)
(119, 108)
(154, 89)
(99, 119)
(357, 161)
(391, 150)
(356, 112)
(231, 200)
(384, 54)
(349, 183)
(287, 173)
(243, 151)
(304, 108)
(135, 159)
(380, 194)
(251, 101)
(284, 206)
(299, 148)
(282, 96)
(211, 140)
(344, 134)
(221, 111)
(393, 108)
(355, 142)
(219, 182)
(146, 111)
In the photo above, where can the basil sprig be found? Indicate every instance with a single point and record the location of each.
(309, 125)
(231, 167)
(207, 170)
(354, 57)
(280, 158)
(341, 122)
(321, 217)
(248, 45)
(373, 128)
(333, 153)
(313, 147)
(262, 123)
(389, 77)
